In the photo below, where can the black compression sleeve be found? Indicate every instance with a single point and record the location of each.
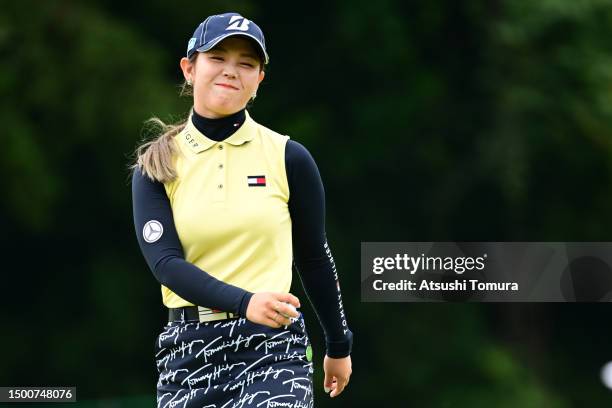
(165, 255)
(311, 253)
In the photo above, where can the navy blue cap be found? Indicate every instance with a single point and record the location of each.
(220, 26)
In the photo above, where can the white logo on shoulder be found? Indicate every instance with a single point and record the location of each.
(238, 23)
(152, 231)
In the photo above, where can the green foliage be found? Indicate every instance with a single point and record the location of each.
(551, 72)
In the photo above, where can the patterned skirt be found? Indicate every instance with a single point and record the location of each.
(234, 363)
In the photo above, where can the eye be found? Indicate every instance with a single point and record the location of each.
(247, 64)
(216, 58)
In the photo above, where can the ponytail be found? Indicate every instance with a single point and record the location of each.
(155, 158)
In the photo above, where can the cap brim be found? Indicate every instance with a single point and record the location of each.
(211, 44)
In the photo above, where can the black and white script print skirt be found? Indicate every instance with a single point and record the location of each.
(234, 363)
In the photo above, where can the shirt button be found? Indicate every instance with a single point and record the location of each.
(220, 147)
(221, 166)
(220, 186)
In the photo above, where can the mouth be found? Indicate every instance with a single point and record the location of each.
(228, 86)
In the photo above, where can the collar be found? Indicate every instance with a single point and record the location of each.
(198, 142)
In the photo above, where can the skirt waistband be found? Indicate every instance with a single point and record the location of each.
(198, 313)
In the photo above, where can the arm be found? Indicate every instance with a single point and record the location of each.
(165, 258)
(312, 255)
(315, 264)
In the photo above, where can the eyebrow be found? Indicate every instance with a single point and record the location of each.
(244, 54)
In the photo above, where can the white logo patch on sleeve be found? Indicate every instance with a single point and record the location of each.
(152, 231)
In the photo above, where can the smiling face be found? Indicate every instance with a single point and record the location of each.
(224, 78)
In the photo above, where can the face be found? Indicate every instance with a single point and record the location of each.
(224, 78)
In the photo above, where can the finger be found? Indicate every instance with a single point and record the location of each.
(283, 320)
(287, 310)
(279, 319)
(333, 387)
(271, 314)
(274, 315)
(271, 323)
(289, 298)
(327, 383)
(279, 313)
(338, 390)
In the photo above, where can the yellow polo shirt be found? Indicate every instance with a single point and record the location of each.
(229, 204)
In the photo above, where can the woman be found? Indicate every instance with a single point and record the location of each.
(222, 208)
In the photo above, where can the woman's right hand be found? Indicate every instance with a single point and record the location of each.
(272, 308)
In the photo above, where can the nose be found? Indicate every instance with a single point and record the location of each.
(229, 72)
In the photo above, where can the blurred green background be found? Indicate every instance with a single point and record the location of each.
(468, 120)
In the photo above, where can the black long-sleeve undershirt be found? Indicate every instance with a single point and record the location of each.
(312, 256)
(311, 253)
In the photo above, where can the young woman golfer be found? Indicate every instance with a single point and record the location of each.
(223, 207)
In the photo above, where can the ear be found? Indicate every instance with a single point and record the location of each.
(262, 74)
(187, 67)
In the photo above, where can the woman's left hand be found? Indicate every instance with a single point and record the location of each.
(337, 374)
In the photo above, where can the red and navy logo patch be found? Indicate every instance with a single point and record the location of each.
(256, 181)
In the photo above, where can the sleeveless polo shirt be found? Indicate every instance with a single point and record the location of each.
(229, 204)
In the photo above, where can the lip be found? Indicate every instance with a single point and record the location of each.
(228, 86)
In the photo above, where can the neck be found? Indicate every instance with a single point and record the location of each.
(221, 128)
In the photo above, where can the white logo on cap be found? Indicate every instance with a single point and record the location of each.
(192, 42)
(238, 23)
(152, 231)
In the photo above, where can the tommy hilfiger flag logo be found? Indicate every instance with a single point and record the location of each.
(256, 181)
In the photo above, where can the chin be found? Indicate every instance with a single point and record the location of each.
(227, 107)
(227, 111)
(220, 106)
